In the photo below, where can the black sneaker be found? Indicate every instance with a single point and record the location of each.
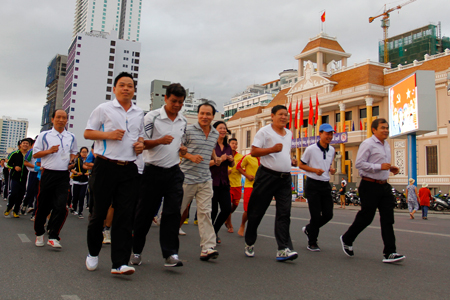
(80, 216)
(348, 250)
(393, 257)
(313, 248)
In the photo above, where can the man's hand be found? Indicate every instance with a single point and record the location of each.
(165, 140)
(394, 170)
(277, 148)
(294, 162)
(79, 173)
(230, 157)
(138, 147)
(229, 171)
(183, 150)
(17, 168)
(319, 172)
(53, 149)
(385, 166)
(116, 134)
(196, 158)
(250, 177)
(332, 171)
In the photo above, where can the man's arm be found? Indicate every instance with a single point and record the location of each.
(258, 152)
(307, 168)
(116, 135)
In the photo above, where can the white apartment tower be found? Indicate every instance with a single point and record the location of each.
(94, 60)
(123, 16)
(11, 131)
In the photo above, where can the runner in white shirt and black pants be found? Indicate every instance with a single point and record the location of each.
(316, 161)
(117, 128)
(162, 178)
(272, 144)
(56, 148)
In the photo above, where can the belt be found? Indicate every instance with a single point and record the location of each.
(117, 162)
(276, 173)
(374, 180)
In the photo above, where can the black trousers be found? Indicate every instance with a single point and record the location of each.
(222, 198)
(373, 196)
(266, 186)
(32, 189)
(117, 185)
(78, 194)
(320, 206)
(6, 184)
(158, 183)
(52, 197)
(18, 189)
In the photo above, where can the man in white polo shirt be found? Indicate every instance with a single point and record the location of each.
(162, 178)
(56, 148)
(272, 144)
(117, 128)
(316, 161)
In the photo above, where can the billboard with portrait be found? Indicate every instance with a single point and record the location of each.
(412, 105)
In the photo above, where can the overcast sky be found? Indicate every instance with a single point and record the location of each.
(213, 47)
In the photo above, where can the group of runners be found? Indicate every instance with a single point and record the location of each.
(141, 165)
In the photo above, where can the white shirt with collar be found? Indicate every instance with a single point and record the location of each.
(110, 116)
(156, 125)
(372, 153)
(319, 158)
(58, 161)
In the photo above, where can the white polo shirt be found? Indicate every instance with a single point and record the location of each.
(58, 161)
(266, 137)
(110, 116)
(320, 158)
(156, 125)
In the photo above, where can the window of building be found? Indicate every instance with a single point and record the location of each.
(136, 68)
(136, 54)
(375, 111)
(78, 53)
(75, 84)
(73, 101)
(135, 75)
(108, 89)
(72, 109)
(249, 135)
(108, 97)
(111, 66)
(113, 43)
(109, 81)
(76, 69)
(363, 113)
(75, 76)
(432, 160)
(78, 45)
(325, 119)
(338, 117)
(136, 61)
(112, 50)
(79, 38)
(74, 92)
(77, 60)
(111, 58)
(134, 97)
(348, 115)
(110, 73)
(70, 125)
(71, 117)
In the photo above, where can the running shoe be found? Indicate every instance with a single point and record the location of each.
(313, 248)
(39, 241)
(195, 222)
(7, 212)
(123, 270)
(106, 236)
(173, 261)
(286, 254)
(30, 210)
(135, 259)
(91, 262)
(54, 243)
(208, 254)
(393, 257)
(186, 221)
(249, 252)
(32, 218)
(348, 250)
(181, 232)
(23, 210)
(80, 216)
(15, 215)
(75, 213)
(218, 240)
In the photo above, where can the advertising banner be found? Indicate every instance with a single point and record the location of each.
(338, 138)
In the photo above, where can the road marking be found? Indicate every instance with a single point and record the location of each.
(70, 297)
(24, 238)
(272, 237)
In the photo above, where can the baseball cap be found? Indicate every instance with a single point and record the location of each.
(326, 127)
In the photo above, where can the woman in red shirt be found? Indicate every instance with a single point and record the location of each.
(424, 198)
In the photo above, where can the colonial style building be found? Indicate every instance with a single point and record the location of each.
(350, 97)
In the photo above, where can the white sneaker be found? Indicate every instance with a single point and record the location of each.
(54, 243)
(123, 270)
(181, 232)
(106, 236)
(39, 241)
(91, 262)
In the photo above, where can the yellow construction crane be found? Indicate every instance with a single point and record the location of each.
(385, 25)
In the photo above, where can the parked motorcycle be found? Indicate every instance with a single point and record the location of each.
(354, 198)
(441, 201)
(400, 199)
(335, 196)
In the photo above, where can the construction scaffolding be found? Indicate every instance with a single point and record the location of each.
(413, 45)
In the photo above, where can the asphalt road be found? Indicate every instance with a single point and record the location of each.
(29, 272)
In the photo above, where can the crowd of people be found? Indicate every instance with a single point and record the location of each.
(140, 167)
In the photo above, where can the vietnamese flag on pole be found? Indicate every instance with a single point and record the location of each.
(311, 113)
(290, 115)
(317, 110)
(301, 113)
(296, 115)
(322, 18)
(360, 125)
(335, 128)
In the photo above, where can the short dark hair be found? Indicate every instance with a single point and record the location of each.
(207, 103)
(277, 108)
(176, 89)
(81, 149)
(54, 113)
(232, 139)
(376, 122)
(30, 140)
(124, 74)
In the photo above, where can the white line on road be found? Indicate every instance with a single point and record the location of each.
(24, 238)
(70, 297)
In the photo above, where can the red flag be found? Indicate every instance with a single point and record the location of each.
(296, 115)
(311, 113)
(343, 127)
(335, 128)
(317, 110)
(290, 115)
(301, 113)
(360, 125)
(322, 18)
